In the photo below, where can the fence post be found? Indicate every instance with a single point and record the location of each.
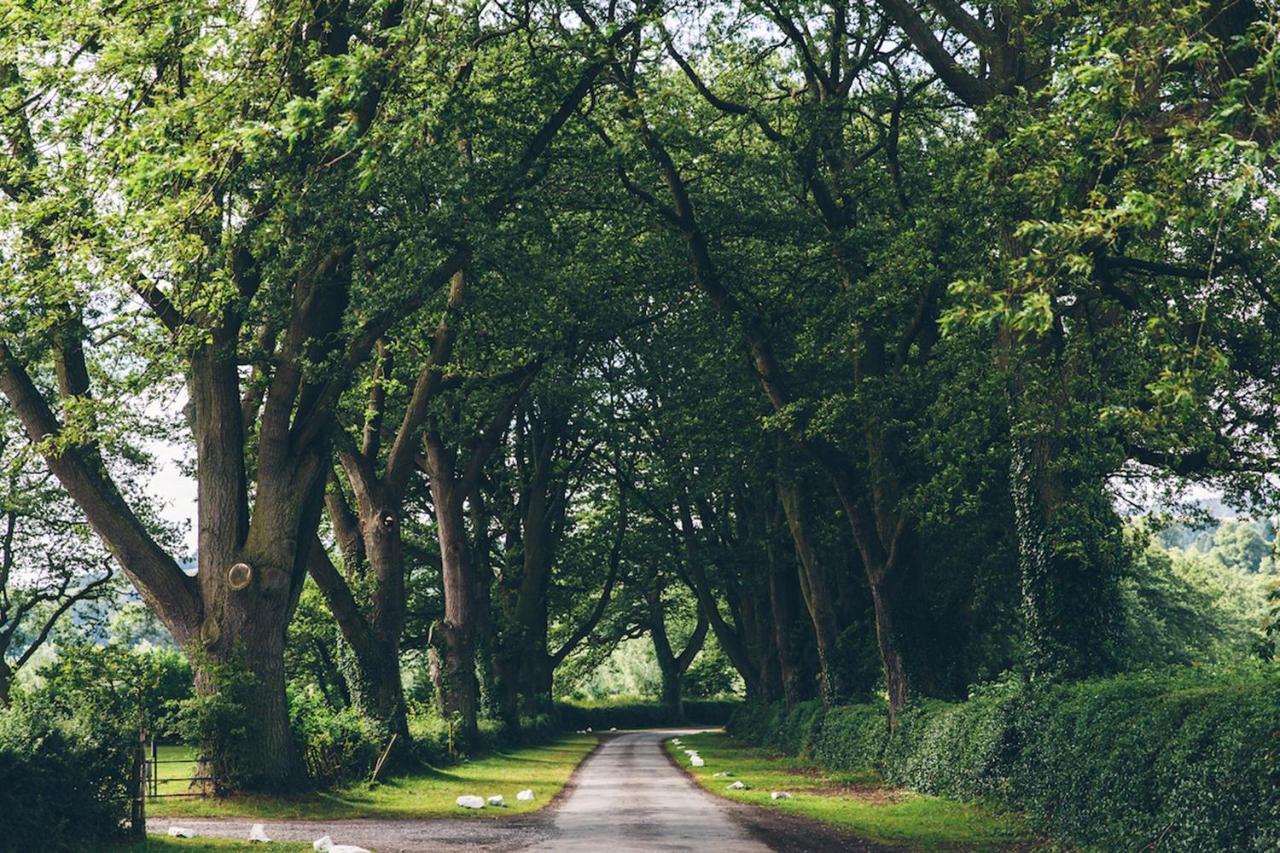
(138, 808)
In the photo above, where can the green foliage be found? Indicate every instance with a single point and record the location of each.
(337, 745)
(1187, 759)
(852, 737)
(64, 781)
(134, 688)
(1184, 607)
(215, 718)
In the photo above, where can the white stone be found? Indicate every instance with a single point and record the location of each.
(726, 774)
(182, 832)
(689, 751)
(588, 728)
(526, 794)
(497, 800)
(737, 786)
(471, 801)
(614, 729)
(321, 844)
(696, 761)
(258, 834)
(779, 795)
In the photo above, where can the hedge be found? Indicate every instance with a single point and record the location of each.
(1182, 760)
(61, 783)
(639, 714)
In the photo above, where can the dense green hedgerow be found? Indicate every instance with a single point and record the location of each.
(1187, 760)
(852, 737)
(62, 782)
(638, 714)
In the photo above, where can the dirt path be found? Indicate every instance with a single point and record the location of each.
(626, 798)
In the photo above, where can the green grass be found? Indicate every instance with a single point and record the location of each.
(165, 844)
(426, 793)
(174, 778)
(858, 803)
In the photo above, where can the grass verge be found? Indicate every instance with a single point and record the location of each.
(858, 803)
(165, 844)
(422, 794)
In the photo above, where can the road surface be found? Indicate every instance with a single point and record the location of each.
(627, 797)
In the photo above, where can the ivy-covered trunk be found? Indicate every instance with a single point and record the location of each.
(1070, 556)
(241, 714)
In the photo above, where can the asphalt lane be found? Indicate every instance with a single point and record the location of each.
(629, 797)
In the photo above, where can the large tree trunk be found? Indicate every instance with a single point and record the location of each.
(453, 651)
(782, 595)
(1070, 552)
(819, 598)
(897, 678)
(245, 664)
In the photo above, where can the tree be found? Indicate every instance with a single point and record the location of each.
(49, 562)
(252, 230)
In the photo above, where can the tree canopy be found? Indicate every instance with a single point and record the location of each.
(829, 340)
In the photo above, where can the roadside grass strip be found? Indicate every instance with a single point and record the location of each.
(427, 793)
(858, 803)
(164, 844)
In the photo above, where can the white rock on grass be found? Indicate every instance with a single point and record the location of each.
(258, 834)
(182, 832)
(526, 794)
(696, 761)
(497, 800)
(737, 786)
(779, 795)
(326, 845)
(676, 741)
(471, 801)
(723, 774)
(689, 751)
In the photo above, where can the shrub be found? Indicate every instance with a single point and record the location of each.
(958, 749)
(337, 745)
(1184, 759)
(137, 687)
(852, 737)
(63, 783)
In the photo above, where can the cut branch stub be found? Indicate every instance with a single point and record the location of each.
(239, 576)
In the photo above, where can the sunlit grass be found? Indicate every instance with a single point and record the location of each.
(177, 764)
(426, 793)
(859, 803)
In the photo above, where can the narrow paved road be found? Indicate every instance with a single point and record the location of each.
(629, 797)
(626, 798)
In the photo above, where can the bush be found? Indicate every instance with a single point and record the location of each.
(63, 783)
(337, 745)
(633, 713)
(852, 737)
(134, 687)
(1183, 760)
